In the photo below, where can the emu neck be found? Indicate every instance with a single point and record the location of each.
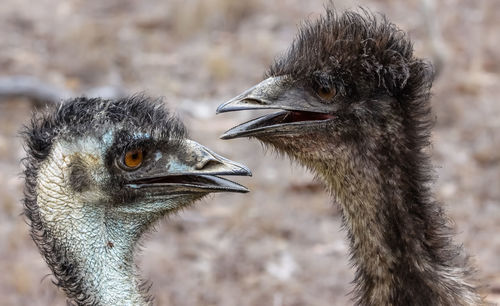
(398, 235)
(89, 250)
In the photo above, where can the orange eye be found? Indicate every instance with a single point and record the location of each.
(326, 93)
(133, 158)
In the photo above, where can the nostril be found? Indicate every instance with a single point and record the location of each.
(207, 164)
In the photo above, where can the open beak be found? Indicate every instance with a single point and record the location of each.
(193, 169)
(298, 108)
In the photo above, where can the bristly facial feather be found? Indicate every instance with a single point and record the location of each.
(360, 53)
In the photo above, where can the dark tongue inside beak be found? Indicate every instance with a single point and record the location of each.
(286, 116)
(297, 116)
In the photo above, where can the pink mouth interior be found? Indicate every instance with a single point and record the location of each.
(295, 116)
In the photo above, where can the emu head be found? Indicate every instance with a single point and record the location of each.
(349, 84)
(127, 157)
(98, 174)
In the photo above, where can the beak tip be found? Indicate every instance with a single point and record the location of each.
(230, 134)
(241, 170)
(219, 109)
(225, 107)
(247, 172)
(225, 136)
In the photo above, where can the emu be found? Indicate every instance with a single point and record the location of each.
(99, 173)
(355, 110)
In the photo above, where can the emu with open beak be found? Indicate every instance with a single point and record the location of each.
(299, 106)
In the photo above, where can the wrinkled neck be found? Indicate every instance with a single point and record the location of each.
(101, 257)
(89, 250)
(104, 255)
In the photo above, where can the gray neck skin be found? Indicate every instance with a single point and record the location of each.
(104, 259)
(398, 239)
(90, 243)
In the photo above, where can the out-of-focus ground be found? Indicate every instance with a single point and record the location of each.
(282, 244)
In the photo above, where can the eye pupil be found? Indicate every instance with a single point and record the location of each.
(326, 93)
(133, 158)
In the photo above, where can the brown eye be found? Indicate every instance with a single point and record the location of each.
(133, 158)
(326, 93)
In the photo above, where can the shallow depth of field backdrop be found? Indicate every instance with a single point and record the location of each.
(282, 244)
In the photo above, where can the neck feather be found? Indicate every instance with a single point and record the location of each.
(399, 237)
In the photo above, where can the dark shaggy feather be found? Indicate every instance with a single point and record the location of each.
(381, 173)
(361, 52)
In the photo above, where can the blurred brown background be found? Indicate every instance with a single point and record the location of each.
(282, 244)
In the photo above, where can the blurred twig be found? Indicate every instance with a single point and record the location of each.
(437, 44)
(42, 93)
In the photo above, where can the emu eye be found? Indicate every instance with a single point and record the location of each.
(133, 158)
(326, 93)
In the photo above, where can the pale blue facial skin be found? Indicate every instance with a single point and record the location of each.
(102, 234)
(107, 138)
(158, 155)
(139, 135)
